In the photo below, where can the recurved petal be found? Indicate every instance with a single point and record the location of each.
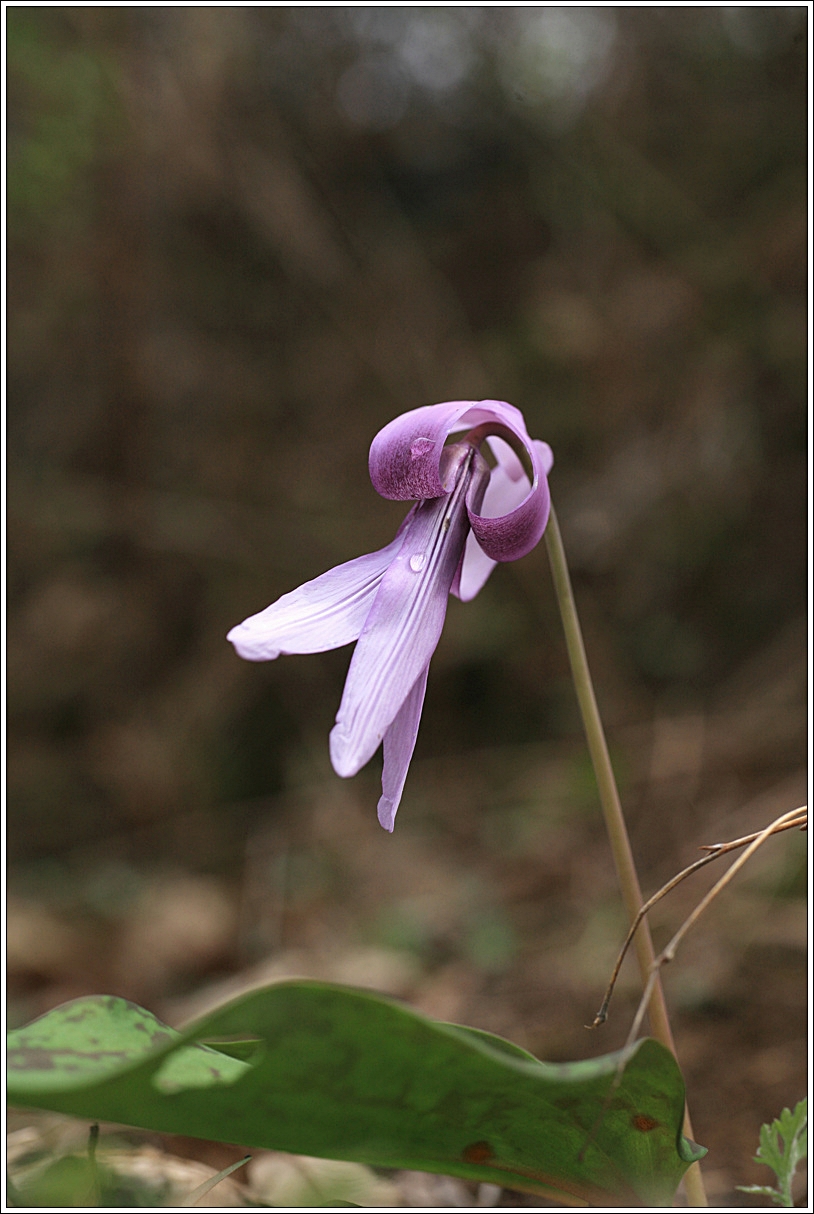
(508, 485)
(399, 744)
(405, 456)
(514, 515)
(322, 614)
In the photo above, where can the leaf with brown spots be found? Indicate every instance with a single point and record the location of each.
(644, 1124)
(346, 1074)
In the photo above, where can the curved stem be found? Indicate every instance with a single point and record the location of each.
(614, 818)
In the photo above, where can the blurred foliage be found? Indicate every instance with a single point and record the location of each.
(65, 111)
(239, 241)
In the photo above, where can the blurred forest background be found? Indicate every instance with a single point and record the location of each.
(240, 240)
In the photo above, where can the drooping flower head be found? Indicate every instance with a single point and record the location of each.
(467, 516)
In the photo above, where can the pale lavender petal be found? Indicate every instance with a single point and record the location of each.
(402, 630)
(396, 644)
(507, 461)
(399, 744)
(322, 614)
(405, 456)
(474, 571)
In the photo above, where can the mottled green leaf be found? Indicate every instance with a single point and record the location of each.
(346, 1074)
(89, 1039)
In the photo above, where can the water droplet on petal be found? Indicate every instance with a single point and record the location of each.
(420, 446)
(417, 562)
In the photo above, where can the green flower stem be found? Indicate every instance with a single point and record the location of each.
(612, 811)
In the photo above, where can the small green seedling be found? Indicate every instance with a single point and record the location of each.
(783, 1145)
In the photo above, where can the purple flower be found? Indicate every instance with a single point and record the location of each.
(467, 516)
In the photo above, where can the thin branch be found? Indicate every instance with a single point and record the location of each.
(792, 818)
(714, 850)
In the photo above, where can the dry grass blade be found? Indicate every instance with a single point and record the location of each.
(788, 821)
(202, 1189)
(795, 818)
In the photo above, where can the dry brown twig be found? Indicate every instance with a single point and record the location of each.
(788, 821)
